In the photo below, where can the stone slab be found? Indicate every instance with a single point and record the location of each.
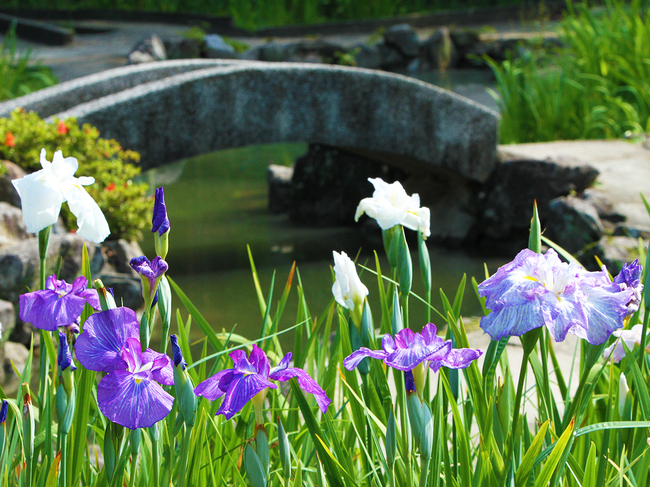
(624, 170)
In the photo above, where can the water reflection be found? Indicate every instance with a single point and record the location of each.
(217, 205)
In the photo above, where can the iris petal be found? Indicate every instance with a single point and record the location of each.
(40, 199)
(241, 390)
(131, 401)
(99, 346)
(90, 219)
(217, 385)
(354, 359)
(307, 384)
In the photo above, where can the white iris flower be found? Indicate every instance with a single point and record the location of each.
(43, 192)
(390, 206)
(348, 290)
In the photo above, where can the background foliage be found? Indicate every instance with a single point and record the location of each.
(254, 14)
(19, 75)
(596, 87)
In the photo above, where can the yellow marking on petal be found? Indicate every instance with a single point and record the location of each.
(531, 278)
(137, 382)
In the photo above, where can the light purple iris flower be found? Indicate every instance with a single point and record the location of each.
(537, 290)
(409, 349)
(252, 375)
(130, 394)
(59, 304)
(630, 278)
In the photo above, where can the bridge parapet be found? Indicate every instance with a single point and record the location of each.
(176, 109)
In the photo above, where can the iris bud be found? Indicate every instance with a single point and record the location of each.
(160, 224)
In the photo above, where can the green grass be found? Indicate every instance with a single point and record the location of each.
(19, 75)
(597, 87)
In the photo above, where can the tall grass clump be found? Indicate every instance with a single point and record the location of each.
(19, 75)
(596, 87)
(361, 399)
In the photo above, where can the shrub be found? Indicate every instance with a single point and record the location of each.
(123, 201)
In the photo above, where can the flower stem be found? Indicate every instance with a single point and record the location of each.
(43, 244)
(185, 450)
(518, 397)
(63, 471)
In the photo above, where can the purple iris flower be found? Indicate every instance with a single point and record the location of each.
(3, 411)
(130, 394)
(409, 349)
(252, 375)
(59, 304)
(630, 278)
(65, 357)
(150, 273)
(537, 290)
(160, 221)
(150, 270)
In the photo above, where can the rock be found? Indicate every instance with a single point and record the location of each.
(118, 254)
(403, 38)
(275, 51)
(279, 181)
(573, 223)
(499, 49)
(367, 56)
(628, 231)
(506, 201)
(439, 51)
(603, 205)
(390, 57)
(464, 40)
(217, 48)
(252, 54)
(328, 184)
(147, 50)
(19, 263)
(7, 191)
(7, 320)
(178, 47)
(311, 57)
(16, 353)
(329, 51)
(612, 251)
(451, 200)
(12, 228)
(127, 289)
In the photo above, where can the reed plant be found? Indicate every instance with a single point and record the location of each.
(19, 74)
(117, 412)
(596, 87)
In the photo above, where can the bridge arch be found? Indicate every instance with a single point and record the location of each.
(175, 109)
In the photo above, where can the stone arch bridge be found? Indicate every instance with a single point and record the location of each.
(175, 109)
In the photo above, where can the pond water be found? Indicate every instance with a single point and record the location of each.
(217, 205)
